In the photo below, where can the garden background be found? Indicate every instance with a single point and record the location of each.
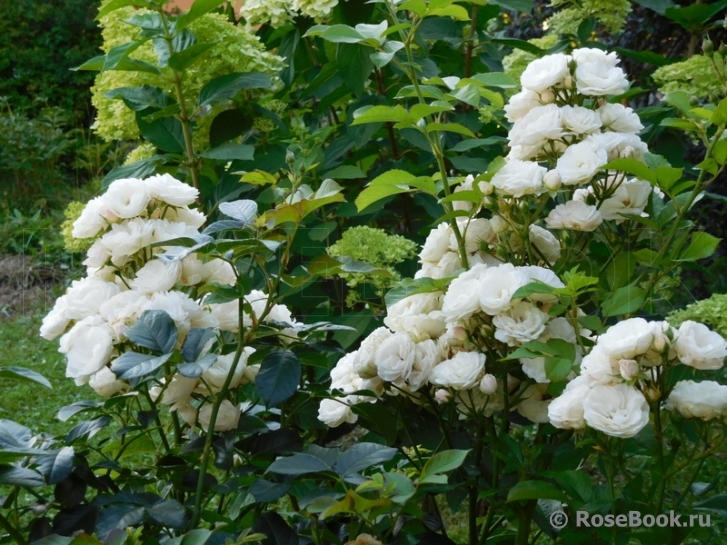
(59, 147)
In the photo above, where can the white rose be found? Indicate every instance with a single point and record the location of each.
(560, 328)
(92, 219)
(699, 347)
(546, 276)
(462, 372)
(333, 413)
(535, 369)
(418, 314)
(343, 374)
(552, 180)
(227, 417)
(629, 369)
(627, 339)
(631, 198)
(566, 411)
(157, 275)
(179, 391)
(363, 362)
(598, 77)
(521, 324)
(458, 303)
(126, 239)
(619, 410)
(426, 356)
(188, 413)
(488, 384)
(600, 368)
(580, 162)
(395, 357)
(466, 185)
(216, 375)
(520, 104)
(168, 189)
(451, 342)
(585, 55)
(617, 144)
(97, 255)
(121, 310)
(497, 285)
(520, 178)
(533, 404)
(444, 268)
(476, 232)
(575, 216)
(87, 346)
(56, 321)
(531, 132)
(192, 218)
(226, 315)
(105, 383)
(545, 242)
(578, 120)
(168, 230)
(545, 72)
(220, 271)
(619, 118)
(437, 244)
(126, 198)
(705, 400)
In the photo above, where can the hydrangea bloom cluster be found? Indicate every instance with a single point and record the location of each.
(616, 383)
(281, 12)
(125, 278)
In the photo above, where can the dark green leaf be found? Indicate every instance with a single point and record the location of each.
(717, 504)
(140, 169)
(624, 301)
(195, 369)
(182, 60)
(140, 98)
(133, 365)
(355, 66)
(229, 85)
(198, 9)
(168, 513)
(155, 330)
(524, 6)
(23, 374)
(298, 464)
(195, 537)
(274, 526)
(361, 456)
(266, 491)
(89, 428)
(535, 490)
(230, 152)
(194, 342)
(165, 133)
(278, 377)
(57, 466)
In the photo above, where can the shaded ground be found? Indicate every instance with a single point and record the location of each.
(26, 288)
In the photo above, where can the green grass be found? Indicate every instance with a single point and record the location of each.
(28, 403)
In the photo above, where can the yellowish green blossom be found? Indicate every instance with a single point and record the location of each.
(711, 312)
(317, 9)
(609, 14)
(698, 76)
(235, 50)
(145, 150)
(376, 248)
(275, 12)
(72, 244)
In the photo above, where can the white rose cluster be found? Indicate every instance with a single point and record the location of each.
(609, 393)
(125, 278)
(562, 120)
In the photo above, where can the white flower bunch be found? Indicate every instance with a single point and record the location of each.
(125, 278)
(609, 395)
(275, 12)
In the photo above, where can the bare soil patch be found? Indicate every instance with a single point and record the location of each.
(26, 288)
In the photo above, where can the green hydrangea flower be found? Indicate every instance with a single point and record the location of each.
(376, 248)
(145, 150)
(235, 50)
(712, 312)
(696, 76)
(610, 14)
(72, 244)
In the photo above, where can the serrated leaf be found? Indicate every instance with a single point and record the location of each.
(168, 513)
(133, 365)
(361, 456)
(181, 60)
(279, 377)
(229, 85)
(231, 151)
(443, 462)
(155, 330)
(243, 210)
(196, 368)
(701, 245)
(450, 127)
(298, 464)
(381, 114)
(195, 341)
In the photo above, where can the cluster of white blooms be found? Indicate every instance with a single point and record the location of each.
(564, 131)
(427, 345)
(281, 12)
(125, 278)
(616, 381)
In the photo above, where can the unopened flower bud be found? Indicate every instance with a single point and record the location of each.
(459, 333)
(722, 50)
(486, 188)
(488, 384)
(627, 152)
(652, 393)
(552, 180)
(708, 47)
(629, 369)
(441, 395)
(499, 225)
(547, 96)
(568, 81)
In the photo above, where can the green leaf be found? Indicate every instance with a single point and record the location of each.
(381, 114)
(659, 6)
(243, 210)
(74, 408)
(624, 301)
(442, 462)
(458, 13)
(469, 94)
(298, 464)
(279, 377)
(694, 16)
(355, 66)
(119, 53)
(196, 368)
(557, 369)
(168, 513)
(450, 127)
(418, 111)
(391, 183)
(94, 64)
(133, 365)
(274, 526)
(520, 44)
(361, 456)
(467, 145)
(140, 98)
(700, 246)
(20, 476)
(57, 466)
(195, 341)
(195, 537)
(155, 330)
(345, 172)
(681, 101)
(632, 166)
(577, 484)
(113, 5)
(231, 151)
(198, 9)
(719, 116)
(524, 6)
(23, 374)
(229, 85)
(496, 79)
(720, 151)
(182, 60)
(535, 490)
(336, 33)
(532, 287)
(140, 169)
(89, 428)
(717, 504)
(165, 133)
